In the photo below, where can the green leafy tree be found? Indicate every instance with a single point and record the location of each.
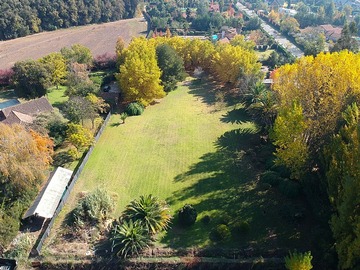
(77, 53)
(171, 65)
(56, 65)
(289, 26)
(139, 76)
(343, 170)
(129, 238)
(346, 41)
(30, 79)
(52, 123)
(152, 213)
(298, 261)
(289, 136)
(79, 136)
(77, 109)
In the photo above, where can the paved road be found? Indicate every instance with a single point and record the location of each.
(279, 38)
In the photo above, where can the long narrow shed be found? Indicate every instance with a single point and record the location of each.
(47, 201)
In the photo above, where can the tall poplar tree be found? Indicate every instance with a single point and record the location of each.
(139, 76)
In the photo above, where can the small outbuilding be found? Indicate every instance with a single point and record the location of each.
(49, 198)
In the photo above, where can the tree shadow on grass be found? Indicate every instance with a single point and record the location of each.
(237, 116)
(225, 182)
(204, 90)
(59, 105)
(207, 90)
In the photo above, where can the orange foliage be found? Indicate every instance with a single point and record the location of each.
(44, 145)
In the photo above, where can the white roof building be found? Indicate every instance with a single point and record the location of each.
(48, 200)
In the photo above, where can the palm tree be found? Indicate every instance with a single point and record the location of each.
(152, 213)
(129, 238)
(263, 105)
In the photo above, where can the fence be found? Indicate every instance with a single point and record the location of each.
(47, 228)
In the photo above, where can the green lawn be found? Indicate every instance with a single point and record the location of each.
(185, 150)
(262, 56)
(57, 96)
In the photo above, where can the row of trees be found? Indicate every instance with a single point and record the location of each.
(21, 18)
(147, 66)
(27, 152)
(317, 130)
(24, 159)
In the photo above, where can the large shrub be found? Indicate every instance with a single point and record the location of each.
(241, 227)
(298, 261)
(220, 234)
(134, 108)
(187, 215)
(129, 238)
(151, 213)
(93, 208)
(270, 177)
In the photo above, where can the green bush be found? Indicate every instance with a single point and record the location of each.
(206, 219)
(62, 158)
(92, 209)
(187, 215)
(9, 227)
(108, 79)
(134, 108)
(298, 261)
(220, 234)
(290, 188)
(225, 219)
(270, 177)
(241, 227)
(21, 247)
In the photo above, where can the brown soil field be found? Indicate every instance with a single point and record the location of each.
(99, 38)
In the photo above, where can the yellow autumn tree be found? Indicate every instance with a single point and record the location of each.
(289, 136)
(24, 157)
(56, 65)
(231, 64)
(139, 76)
(323, 86)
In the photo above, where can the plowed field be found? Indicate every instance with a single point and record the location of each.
(99, 38)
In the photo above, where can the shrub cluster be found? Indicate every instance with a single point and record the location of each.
(134, 108)
(220, 233)
(93, 208)
(187, 215)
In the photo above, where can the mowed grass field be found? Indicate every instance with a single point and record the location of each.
(149, 154)
(188, 149)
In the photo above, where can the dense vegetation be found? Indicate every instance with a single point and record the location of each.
(24, 158)
(316, 134)
(51, 139)
(21, 18)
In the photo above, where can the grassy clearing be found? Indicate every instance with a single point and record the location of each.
(186, 150)
(57, 97)
(262, 56)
